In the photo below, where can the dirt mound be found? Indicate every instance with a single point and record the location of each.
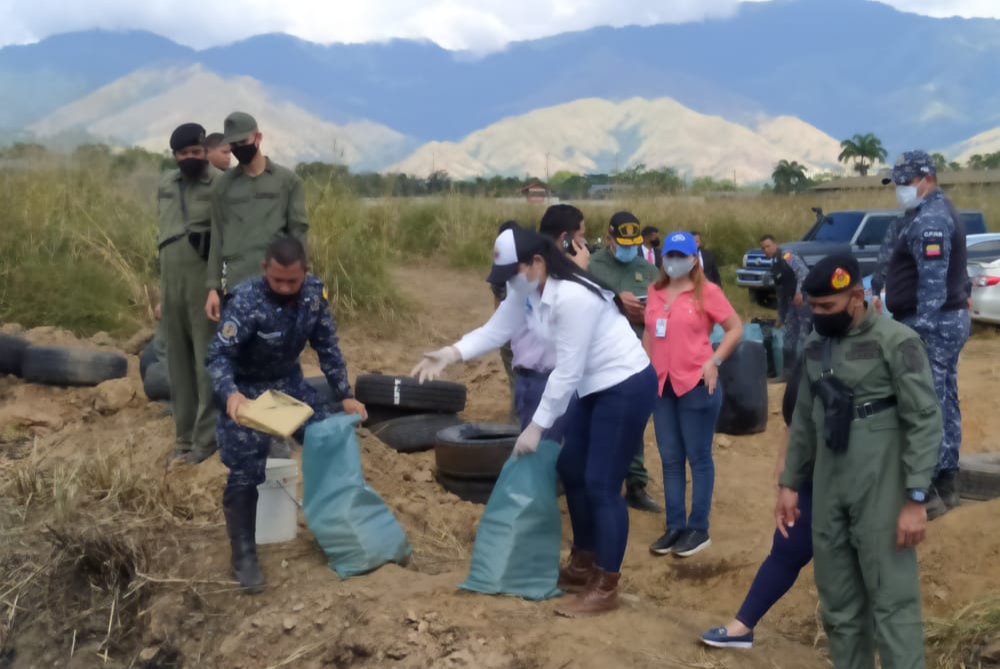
(108, 552)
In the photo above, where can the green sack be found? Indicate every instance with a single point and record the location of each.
(517, 544)
(351, 523)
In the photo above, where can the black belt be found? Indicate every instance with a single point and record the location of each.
(170, 240)
(869, 409)
(531, 373)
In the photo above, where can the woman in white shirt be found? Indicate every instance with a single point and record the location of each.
(599, 358)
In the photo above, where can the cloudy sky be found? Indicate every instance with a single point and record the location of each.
(479, 25)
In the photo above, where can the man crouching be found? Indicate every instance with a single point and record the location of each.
(264, 326)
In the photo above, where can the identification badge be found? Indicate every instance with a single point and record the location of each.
(661, 328)
(638, 276)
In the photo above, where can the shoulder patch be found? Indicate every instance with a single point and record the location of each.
(326, 294)
(914, 356)
(932, 247)
(229, 330)
(787, 256)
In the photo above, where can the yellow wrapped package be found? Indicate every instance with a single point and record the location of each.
(275, 413)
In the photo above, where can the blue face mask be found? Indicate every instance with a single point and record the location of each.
(626, 254)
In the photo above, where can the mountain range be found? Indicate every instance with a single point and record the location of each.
(780, 79)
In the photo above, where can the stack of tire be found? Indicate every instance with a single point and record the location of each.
(59, 365)
(469, 458)
(154, 375)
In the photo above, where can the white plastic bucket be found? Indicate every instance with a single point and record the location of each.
(277, 503)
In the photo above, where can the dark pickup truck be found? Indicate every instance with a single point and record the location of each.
(857, 232)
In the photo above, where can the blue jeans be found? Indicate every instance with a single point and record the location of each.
(602, 432)
(528, 391)
(685, 429)
(781, 568)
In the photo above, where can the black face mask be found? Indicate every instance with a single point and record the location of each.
(655, 244)
(192, 167)
(834, 326)
(245, 153)
(281, 300)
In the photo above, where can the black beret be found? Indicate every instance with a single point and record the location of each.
(189, 134)
(831, 275)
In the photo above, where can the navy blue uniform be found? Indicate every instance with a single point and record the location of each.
(927, 288)
(256, 348)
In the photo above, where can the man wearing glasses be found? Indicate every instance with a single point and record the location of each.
(251, 206)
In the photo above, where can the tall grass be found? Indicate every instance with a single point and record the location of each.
(78, 246)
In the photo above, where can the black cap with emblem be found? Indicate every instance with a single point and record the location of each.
(832, 275)
(188, 134)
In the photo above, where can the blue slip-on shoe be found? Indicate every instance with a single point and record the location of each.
(718, 638)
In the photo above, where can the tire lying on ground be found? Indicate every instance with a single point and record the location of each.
(147, 358)
(475, 450)
(376, 414)
(403, 392)
(979, 476)
(412, 434)
(12, 350)
(155, 383)
(54, 365)
(477, 491)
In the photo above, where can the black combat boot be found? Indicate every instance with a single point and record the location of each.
(637, 498)
(240, 507)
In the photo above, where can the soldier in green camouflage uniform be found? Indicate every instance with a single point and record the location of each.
(252, 205)
(870, 450)
(184, 209)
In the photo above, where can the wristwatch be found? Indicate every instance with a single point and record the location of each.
(918, 495)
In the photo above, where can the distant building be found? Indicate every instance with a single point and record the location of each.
(606, 191)
(535, 192)
(975, 178)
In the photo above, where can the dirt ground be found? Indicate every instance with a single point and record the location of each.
(110, 558)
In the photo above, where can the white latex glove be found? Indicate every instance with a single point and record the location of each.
(434, 363)
(528, 441)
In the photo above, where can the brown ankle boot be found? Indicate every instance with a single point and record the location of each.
(576, 575)
(600, 597)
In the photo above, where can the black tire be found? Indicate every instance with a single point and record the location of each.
(416, 433)
(979, 476)
(156, 384)
(404, 392)
(12, 350)
(147, 358)
(474, 450)
(54, 365)
(378, 414)
(477, 491)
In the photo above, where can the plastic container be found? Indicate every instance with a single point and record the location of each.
(277, 503)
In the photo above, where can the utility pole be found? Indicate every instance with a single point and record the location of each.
(547, 189)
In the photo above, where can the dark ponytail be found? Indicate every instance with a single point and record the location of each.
(561, 267)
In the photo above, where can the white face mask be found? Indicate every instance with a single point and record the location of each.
(677, 268)
(521, 284)
(906, 196)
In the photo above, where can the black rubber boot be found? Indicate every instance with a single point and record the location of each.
(240, 506)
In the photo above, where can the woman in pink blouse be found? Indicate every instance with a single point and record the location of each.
(681, 309)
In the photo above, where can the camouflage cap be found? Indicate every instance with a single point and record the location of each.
(909, 166)
(237, 127)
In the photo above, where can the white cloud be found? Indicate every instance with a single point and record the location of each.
(477, 25)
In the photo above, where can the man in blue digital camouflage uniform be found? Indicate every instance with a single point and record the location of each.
(885, 252)
(263, 329)
(928, 288)
(794, 315)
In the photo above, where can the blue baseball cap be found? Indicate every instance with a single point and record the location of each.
(909, 166)
(680, 242)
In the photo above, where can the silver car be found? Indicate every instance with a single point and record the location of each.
(984, 270)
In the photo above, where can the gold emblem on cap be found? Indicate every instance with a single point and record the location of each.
(841, 279)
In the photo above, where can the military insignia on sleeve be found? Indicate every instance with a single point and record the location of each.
(787, 256)
(326, 294)
(841, 279)
(932, 240)
(914, 357)
(228, 331)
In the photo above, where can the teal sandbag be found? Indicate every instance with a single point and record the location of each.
(751, 332)
(351, 523)
(517, 544)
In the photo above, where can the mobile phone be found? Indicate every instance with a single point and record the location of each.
(641, 298)
(569, 247)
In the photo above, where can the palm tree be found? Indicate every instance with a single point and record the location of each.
(861, 148)
(789, 176)
(940, 162)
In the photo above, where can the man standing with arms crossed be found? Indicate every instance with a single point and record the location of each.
(184, 206)
(866, 431)
(252, 205)
(928, 288)
(623, 269)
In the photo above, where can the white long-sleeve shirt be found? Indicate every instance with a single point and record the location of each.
(595, 345)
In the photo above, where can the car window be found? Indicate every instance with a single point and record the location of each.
(874, 231)
(984, 250)
(974, 223)
(838, 227)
